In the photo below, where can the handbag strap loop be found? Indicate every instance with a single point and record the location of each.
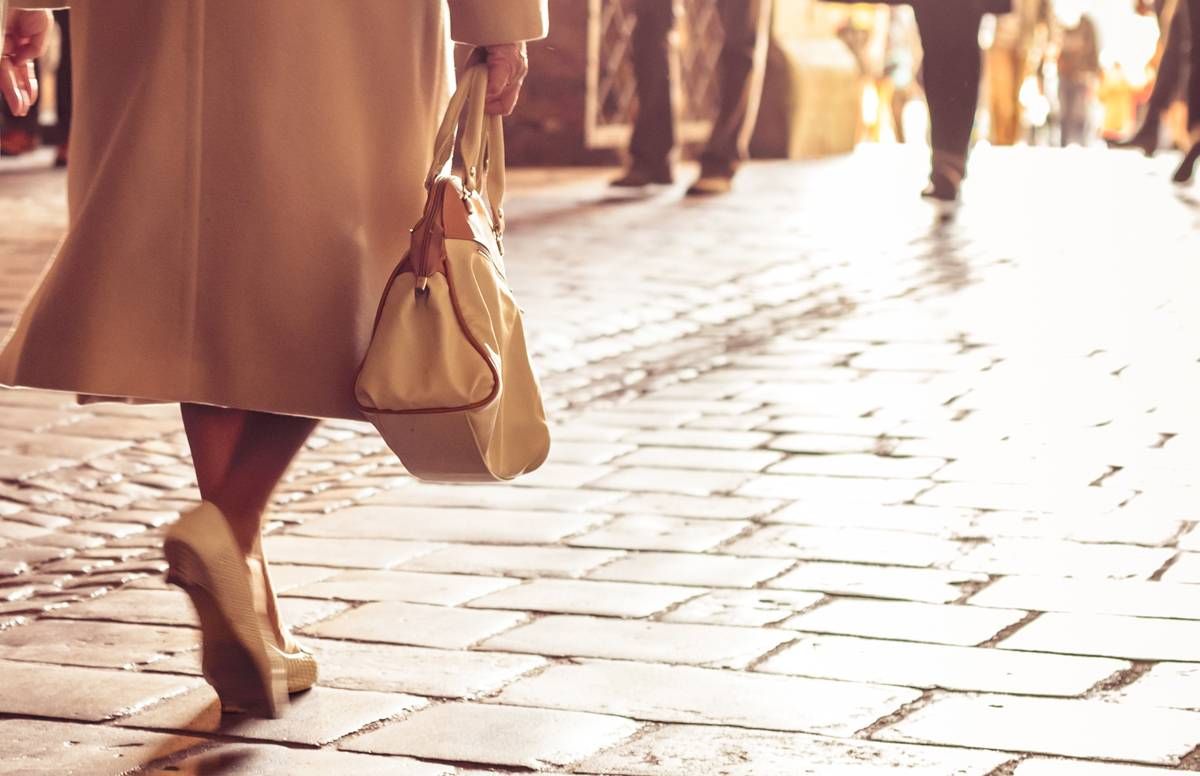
(481, 143)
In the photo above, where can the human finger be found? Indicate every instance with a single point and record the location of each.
(13, 96)
(27, 81)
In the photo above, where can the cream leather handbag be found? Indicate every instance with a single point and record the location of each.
(447, 378)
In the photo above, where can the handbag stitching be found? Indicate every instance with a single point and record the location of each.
(475, 344)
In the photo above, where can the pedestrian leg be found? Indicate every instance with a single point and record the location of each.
(952, 69)
(654, 69)
(741, 66)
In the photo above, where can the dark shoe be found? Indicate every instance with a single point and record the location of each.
(1188, 166)
(1144, 140)
(708, 185)
(60, 157)
(14, 142)
(636, 177)
(941, 189)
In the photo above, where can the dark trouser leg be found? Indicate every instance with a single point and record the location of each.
(1072, 108)
(63, 92)
(1192, 35)
(952, 68)
(1187, 167)
(740, 68)
(22, 133)
(1173, 66)
(654, 133)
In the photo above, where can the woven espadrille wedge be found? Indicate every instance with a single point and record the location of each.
(238, 659)
(299, 663)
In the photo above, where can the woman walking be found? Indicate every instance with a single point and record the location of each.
(243, 178)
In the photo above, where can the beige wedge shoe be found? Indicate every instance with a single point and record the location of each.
(300, 665)
(238, 658)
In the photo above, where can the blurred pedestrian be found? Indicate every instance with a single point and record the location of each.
(1173, 69)
(740, 68)
(63, 91)
(951, 70)
(1187, 167)
(237, 202)
(1015, 55)
(1078, 74)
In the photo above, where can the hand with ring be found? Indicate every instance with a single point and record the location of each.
(26, 37)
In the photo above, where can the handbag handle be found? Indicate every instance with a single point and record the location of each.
(481, 143)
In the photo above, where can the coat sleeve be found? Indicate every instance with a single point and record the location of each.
(489, 22)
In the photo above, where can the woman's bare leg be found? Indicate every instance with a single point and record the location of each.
(240, 457)
(213, 434)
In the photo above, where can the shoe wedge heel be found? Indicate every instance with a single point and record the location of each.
(246, 672)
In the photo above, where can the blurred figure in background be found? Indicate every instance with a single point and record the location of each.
(1188, 167)
(1078, 72)
(1173, 72)
(902, 64)
(740, 69)
(1015, 56)
(63, 93)
(951, 73)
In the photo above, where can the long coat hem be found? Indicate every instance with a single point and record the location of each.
(232, 224)
(123, 397)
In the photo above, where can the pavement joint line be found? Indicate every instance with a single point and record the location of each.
(1165, 567)
(764, 583)
(1120, 679)
(752, 666)
(973, 587)
(899, 714)
(673, 607)
(1009, 630)
(1007, 768)
(1190, 761)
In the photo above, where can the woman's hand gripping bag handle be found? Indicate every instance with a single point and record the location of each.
(447, 378)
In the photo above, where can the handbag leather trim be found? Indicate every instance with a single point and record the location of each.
(406, 266)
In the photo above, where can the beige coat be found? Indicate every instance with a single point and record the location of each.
(243, 177)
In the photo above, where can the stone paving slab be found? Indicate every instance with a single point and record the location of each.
(1135, 638)
(938, 666)
(85, 694)
(1052, 726)
(421, 625)
(747, 608)
(714, 646)
(906, 621)
(580, 596)
(449, 525)
(687, 750)
(1169, 685)
(1042, 766)
(1092, 596)
(260, 759)
(496, 735)
(653, 532)
(936, 586)
(314, 718)
(660, 693)
(49, 748)
(411, 586)
(94, 643)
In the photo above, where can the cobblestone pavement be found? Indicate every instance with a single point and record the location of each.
(839, 486)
